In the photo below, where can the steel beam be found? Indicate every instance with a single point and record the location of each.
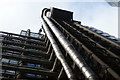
(29, 70)
(28, 59)
(38, 53)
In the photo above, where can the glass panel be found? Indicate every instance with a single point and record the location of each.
(10, 72)
(30, 75)
(105, 34)
(31, 34)
(86, 26)
(98, 31)
(93, 29)
(9, 53)
(112, 37)
(13, 62)
(38, 76)
(5, 60)
(37, 65)
(36, 35)
(30, 65)
(2, 71)
(23, 33)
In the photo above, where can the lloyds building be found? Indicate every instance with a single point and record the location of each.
(67, 51)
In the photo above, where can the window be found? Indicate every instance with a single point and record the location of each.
(10, 72)
(5, 60)
(112, 37)
(23, 33)
(105, 34)
(98, 31)
(13, 62)
(36, 35)
(86, 26)
(30, 65)
(9, 61)
(33, 65)
(32, 75)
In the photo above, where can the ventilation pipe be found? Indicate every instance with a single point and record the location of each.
(75, 56)
(58, 52)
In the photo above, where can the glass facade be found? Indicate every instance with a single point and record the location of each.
(22, 53)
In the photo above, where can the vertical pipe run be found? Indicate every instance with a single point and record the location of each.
(58, 52)
(76, 57)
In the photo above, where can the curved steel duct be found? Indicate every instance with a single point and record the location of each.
(58, 52)
(75, 56)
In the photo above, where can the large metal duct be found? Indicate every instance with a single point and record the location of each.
(58, 52)
(76, 57)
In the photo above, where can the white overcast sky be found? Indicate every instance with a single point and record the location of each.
(17, 15)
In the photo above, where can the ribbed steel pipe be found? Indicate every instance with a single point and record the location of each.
(58, 52)
(76, 57)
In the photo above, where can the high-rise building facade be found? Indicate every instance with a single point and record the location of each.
(67, 51)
